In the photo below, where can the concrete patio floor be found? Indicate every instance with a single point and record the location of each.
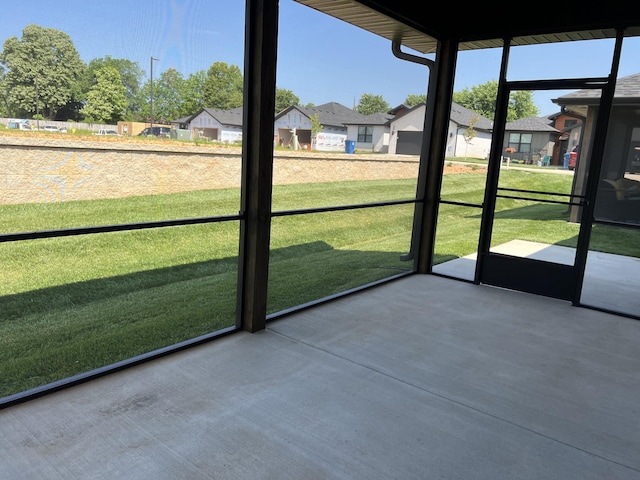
(422, 378)
(611, 282)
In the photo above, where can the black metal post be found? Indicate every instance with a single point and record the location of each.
(151, 95)
(37, 106)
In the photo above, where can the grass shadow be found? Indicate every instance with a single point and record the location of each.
(54, 333)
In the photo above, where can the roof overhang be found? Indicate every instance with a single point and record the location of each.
(480, 26)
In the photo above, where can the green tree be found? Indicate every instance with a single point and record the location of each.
(285, 98)
(107, 100)
(5, 109)
(470, 132)
(316, 126)
(370, 104)
(482, 99)
(167, 96)
(130, 73)
(193, 93)
(44, 70)
(223, 88)
(521, 105)
(413, 99)
(173, 96)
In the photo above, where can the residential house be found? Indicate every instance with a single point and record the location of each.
(618, 192)
(406, 131)
(338, 122)
(181, 123)
(371, 132)
(570, 126)
(217, 125)
(529, 139)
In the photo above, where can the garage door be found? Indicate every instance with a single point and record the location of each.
(409, 143)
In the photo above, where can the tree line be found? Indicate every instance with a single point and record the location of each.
(43, 76)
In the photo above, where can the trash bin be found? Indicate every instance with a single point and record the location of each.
(349, 146)
(566, 160)
(573, 159)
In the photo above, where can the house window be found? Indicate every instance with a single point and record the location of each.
(570, 123)
(365, 134)
(521, 142)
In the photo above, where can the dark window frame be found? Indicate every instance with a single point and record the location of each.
(516, 141)
(365, 134)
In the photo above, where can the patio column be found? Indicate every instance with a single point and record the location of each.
(261, 42)
(434, 150)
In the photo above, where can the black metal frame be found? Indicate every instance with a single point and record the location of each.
(506, 271)
(261, 35)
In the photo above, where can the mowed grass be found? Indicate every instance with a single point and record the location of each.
(69, 305)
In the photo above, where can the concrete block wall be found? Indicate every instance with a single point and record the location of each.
(46, 170)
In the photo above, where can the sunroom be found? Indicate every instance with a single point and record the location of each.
(411, 326)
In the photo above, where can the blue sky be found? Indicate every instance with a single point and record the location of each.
(320, 59)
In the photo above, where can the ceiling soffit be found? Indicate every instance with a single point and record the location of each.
(418, 30)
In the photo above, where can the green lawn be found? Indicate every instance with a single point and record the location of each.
(72, 304)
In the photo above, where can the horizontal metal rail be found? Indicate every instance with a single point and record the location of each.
(78, 379)
(68, 232)
(592, 83)
(124, 227)
(578, 203)
(462, 204)
(519, 190)
(541, 200)
(305, 211)
(615, 223)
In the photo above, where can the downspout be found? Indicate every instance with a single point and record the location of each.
(583, 119)
(428, 122)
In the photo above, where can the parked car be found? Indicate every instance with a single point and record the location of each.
(19, 124)
(162, 132)
(103, 131)
(50, 128)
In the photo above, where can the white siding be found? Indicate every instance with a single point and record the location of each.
(479, 147)
(411, 122)
(293, 119)
(204, 125)
(380, 138)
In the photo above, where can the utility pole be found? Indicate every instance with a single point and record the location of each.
(37, 106)
(151, 94)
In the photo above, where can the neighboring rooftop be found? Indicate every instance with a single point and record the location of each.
(225, 117)
(464, 116)
(627, 91)
(531, 124)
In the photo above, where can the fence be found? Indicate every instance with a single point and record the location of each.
(67, 125)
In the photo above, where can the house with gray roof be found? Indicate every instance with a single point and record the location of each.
(338, 123)
(619, 175)
(371, 132)
(217, 125)
(530, 139)
(406, 130)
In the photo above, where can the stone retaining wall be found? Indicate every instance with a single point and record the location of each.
(56, 169)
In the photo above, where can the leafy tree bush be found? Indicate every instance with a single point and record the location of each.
(130, 76)
(285, 98)
(107, 99)
(223, 88)
(44, 69)
(414, 99)
(482, 99)
(370, 104)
